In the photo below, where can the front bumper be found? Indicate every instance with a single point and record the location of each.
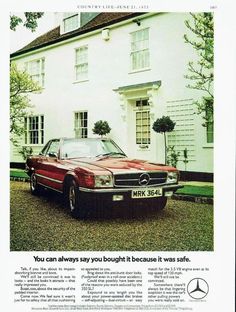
(120, 197)
(166, 188)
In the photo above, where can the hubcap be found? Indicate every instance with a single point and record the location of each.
(33, 182)
(72, 197)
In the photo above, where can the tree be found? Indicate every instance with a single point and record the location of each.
(201, 72)
(21, 85)
(101, 128)
(30, 20)
(26, 151)
(163, 125)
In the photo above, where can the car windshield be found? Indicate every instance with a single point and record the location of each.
(76, 148)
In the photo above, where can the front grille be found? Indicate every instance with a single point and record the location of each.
(133, 179)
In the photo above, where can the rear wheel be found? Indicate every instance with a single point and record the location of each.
(34, 186)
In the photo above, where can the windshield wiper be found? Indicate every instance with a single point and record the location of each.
(111, 154)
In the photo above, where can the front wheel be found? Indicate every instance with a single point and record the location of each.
(34, 186)
(161, 202)
(73, 200)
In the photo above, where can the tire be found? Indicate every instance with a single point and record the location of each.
(73, 200)
(34, 186)
(161, 202)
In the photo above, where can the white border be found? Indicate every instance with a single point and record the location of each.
(222, 260)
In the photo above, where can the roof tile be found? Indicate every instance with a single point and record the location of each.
(54, 36)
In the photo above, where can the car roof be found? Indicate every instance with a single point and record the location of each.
(79, 139)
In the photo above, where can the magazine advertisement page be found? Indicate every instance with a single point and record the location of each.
(118, 129)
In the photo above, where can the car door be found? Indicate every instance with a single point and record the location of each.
(50, 172)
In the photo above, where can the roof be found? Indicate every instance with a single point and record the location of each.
(151, 84)
(53, 36)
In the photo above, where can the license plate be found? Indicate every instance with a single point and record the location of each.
(147, 193)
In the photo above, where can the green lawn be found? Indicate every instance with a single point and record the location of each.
(204, 191)
(18, 173)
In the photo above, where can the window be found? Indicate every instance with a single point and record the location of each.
(142, 122)
(34, 130)
(81, 124)
(81, 63)
(53, 148)
(209, 127)
(36, 70)
(140, 49)
(70, 22)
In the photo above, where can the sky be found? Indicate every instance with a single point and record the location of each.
(22, 36)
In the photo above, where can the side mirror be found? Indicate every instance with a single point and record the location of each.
(52, 154)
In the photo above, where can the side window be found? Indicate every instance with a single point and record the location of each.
(53, 148)
(44, 150)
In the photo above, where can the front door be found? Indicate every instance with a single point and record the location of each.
(140, 130)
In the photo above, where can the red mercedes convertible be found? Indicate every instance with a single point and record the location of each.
(94, 173)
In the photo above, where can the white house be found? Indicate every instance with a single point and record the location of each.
(125, 68)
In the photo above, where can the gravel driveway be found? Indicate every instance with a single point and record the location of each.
(42, 223)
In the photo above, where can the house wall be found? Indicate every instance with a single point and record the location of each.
(109, 69)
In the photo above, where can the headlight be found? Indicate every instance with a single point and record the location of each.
(103, 181)
(172, 177)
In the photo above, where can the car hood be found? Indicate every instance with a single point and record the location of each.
(116, 165)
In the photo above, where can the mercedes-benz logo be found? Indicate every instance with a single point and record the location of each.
(197, 288)
(144, 179)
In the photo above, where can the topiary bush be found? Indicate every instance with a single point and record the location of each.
(101, 128)
(163, 125)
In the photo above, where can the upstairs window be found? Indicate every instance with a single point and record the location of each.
(36, 70)
(34, 130)
(81, 124)
(140, 49)
(70, 22)
(81, 63)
